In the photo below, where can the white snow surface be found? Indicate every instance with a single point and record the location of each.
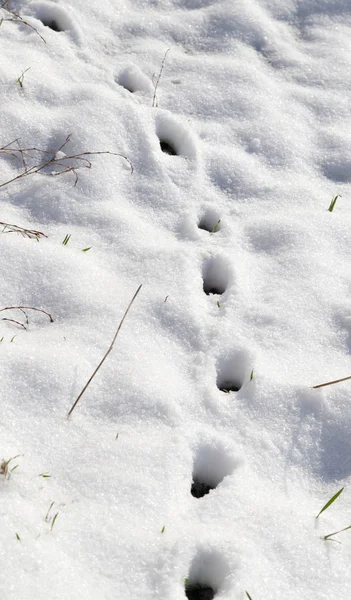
(253, 97)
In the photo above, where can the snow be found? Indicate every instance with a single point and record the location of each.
(222, 216)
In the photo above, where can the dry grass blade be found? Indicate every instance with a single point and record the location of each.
(4, 466)
(30, 233)
(106, 354)
(315, 387)
(16, 18)
(154, 99)
(55, 159)
(23, 310)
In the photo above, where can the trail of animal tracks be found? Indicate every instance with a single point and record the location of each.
(193, 147)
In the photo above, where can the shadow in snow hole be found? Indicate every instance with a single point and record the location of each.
(167, 148)
(229, 386)
(199, 592)
(211, 465)
(210, 223)
(200, 489)
(215, 276)
(233, 370)
(52, 24)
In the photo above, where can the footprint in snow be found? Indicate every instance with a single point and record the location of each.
(174, 138)
(233, 371)
(55, 18)
(211, 465)
(210, 221)
(206, 575)
(134, 80)
(215, 274)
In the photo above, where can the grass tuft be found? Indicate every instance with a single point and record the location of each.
(21, 77)
(5, 469)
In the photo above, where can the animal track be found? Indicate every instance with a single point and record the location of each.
(338, 171)
(198, 592)
(210, 221)
(174, 139)
(215, 275)
(211, 465)
(54, 17)
(167, 148)
(134, 80)
(233, 371)
(207, 573)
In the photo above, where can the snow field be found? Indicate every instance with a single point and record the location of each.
(244, 306)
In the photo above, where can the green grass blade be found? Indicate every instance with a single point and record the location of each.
(47, 514)
(326, 537)
(53, 521)
(332, 204)
(215, 228)
(330, 502)
(248, 595)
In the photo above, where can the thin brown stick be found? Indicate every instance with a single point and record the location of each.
(52, 160)
(23, 309)
(107, 353)
(154, 99)
(18, 19)
(331, 382)
(14, 321)
(30, 233)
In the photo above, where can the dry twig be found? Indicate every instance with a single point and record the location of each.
(51, 159)
(154, 99)
(16, 18)
(30, 233)
(23, 310)
(331, 382)
(106, 354)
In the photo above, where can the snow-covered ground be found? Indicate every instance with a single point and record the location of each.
(253, 97)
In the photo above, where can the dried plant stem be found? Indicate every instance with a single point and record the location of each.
(159, 77)
(16, 18)
(52, 160)
(30, 233)
(106, 354)
(23, 310)
(331, 382)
